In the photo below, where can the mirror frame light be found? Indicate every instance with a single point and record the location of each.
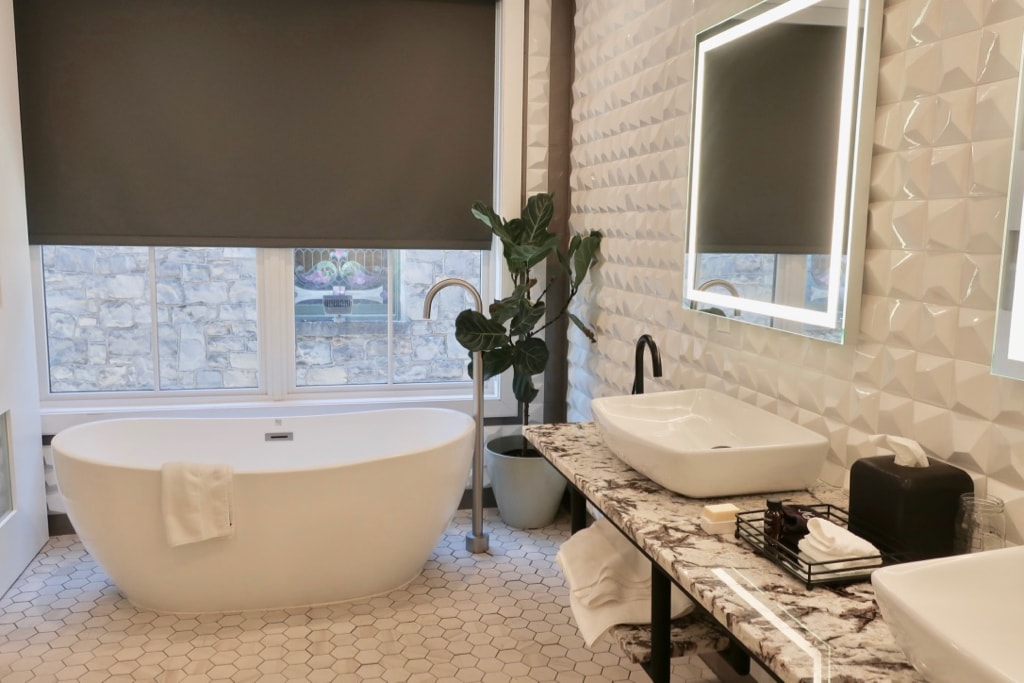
(1008, 345)
(856, 127)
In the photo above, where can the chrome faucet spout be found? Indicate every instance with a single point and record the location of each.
(476, 540)
(451, 282)
(717, 282)
(645, 340)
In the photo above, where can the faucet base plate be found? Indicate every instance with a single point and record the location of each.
(477, 544)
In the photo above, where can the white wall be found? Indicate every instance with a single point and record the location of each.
(25, 532)
(919, 365)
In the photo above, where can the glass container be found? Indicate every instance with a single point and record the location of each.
(980, 524)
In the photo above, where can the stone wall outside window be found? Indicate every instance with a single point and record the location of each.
(102, 304)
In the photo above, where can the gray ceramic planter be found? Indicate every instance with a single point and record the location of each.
(527, 489)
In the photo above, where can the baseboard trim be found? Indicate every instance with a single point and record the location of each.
(467, 499)
(59, 524)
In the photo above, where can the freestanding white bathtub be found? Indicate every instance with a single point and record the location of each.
(350, 506)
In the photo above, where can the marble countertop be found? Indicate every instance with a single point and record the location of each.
(834, 631)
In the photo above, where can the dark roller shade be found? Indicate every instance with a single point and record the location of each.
(257, 122)
(769, 141)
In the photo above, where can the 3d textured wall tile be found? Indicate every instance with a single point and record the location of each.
(918, 365)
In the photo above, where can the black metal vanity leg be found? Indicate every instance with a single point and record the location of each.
(577, 510)
(660, 666)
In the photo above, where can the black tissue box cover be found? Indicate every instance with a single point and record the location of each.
(907, 511)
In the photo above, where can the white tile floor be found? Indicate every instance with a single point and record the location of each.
(502, 617)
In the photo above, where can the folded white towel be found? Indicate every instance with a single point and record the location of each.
(196, 501)
(600, 551)
(609, 581)
(842, 549)
(594, 622)
(610, 589)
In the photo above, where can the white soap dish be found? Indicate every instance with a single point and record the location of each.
(726, 526)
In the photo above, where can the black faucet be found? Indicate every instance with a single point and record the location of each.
(638, 377)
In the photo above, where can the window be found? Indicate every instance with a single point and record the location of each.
(359, 316)
(124, 319)
(199, 319)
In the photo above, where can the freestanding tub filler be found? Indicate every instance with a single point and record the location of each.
(325, 508)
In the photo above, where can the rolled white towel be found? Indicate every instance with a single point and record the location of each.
(842, 549)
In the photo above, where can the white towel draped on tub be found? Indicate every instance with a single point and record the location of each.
(196, 501)
(609, 581)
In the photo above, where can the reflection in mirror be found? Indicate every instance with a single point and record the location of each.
(1008, 351)
(779, 163)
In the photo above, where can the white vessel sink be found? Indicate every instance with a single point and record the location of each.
(958, 618)
(704, 444)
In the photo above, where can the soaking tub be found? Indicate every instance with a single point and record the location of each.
(325, 508)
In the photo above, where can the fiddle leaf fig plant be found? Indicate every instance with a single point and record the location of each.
(507, 336)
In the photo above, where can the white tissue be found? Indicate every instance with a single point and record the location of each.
(840, 548)
(907, 451)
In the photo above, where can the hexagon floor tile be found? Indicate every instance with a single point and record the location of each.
(501, 617)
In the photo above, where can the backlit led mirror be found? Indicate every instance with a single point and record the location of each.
(1008, 351)
(779, 159)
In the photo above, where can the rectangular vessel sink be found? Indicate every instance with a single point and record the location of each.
(958, 618)
(704, 444)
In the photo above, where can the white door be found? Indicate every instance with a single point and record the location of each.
(22, 500)
(22, 489)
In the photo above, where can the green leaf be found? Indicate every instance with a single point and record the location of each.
(495, 362)
(563, 261)
(525, 256)
(487, 215)
(526, 318)
(583, 328)
(574, 244)
(565, 258)
(510, 232)
(522, 387)
(536, 217)
(475, 332)
(585, 256)
(505, 309)
(531, 356)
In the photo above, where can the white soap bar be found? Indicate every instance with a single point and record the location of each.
(721, 512)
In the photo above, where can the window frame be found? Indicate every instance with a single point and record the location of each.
(277, 391)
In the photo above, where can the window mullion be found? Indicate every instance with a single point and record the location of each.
(277, 347)
(393, 271)
(154, 336)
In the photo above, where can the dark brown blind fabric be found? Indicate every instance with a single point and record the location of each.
(257, 122)
(769, 141)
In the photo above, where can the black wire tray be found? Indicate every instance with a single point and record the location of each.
(750, 528)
